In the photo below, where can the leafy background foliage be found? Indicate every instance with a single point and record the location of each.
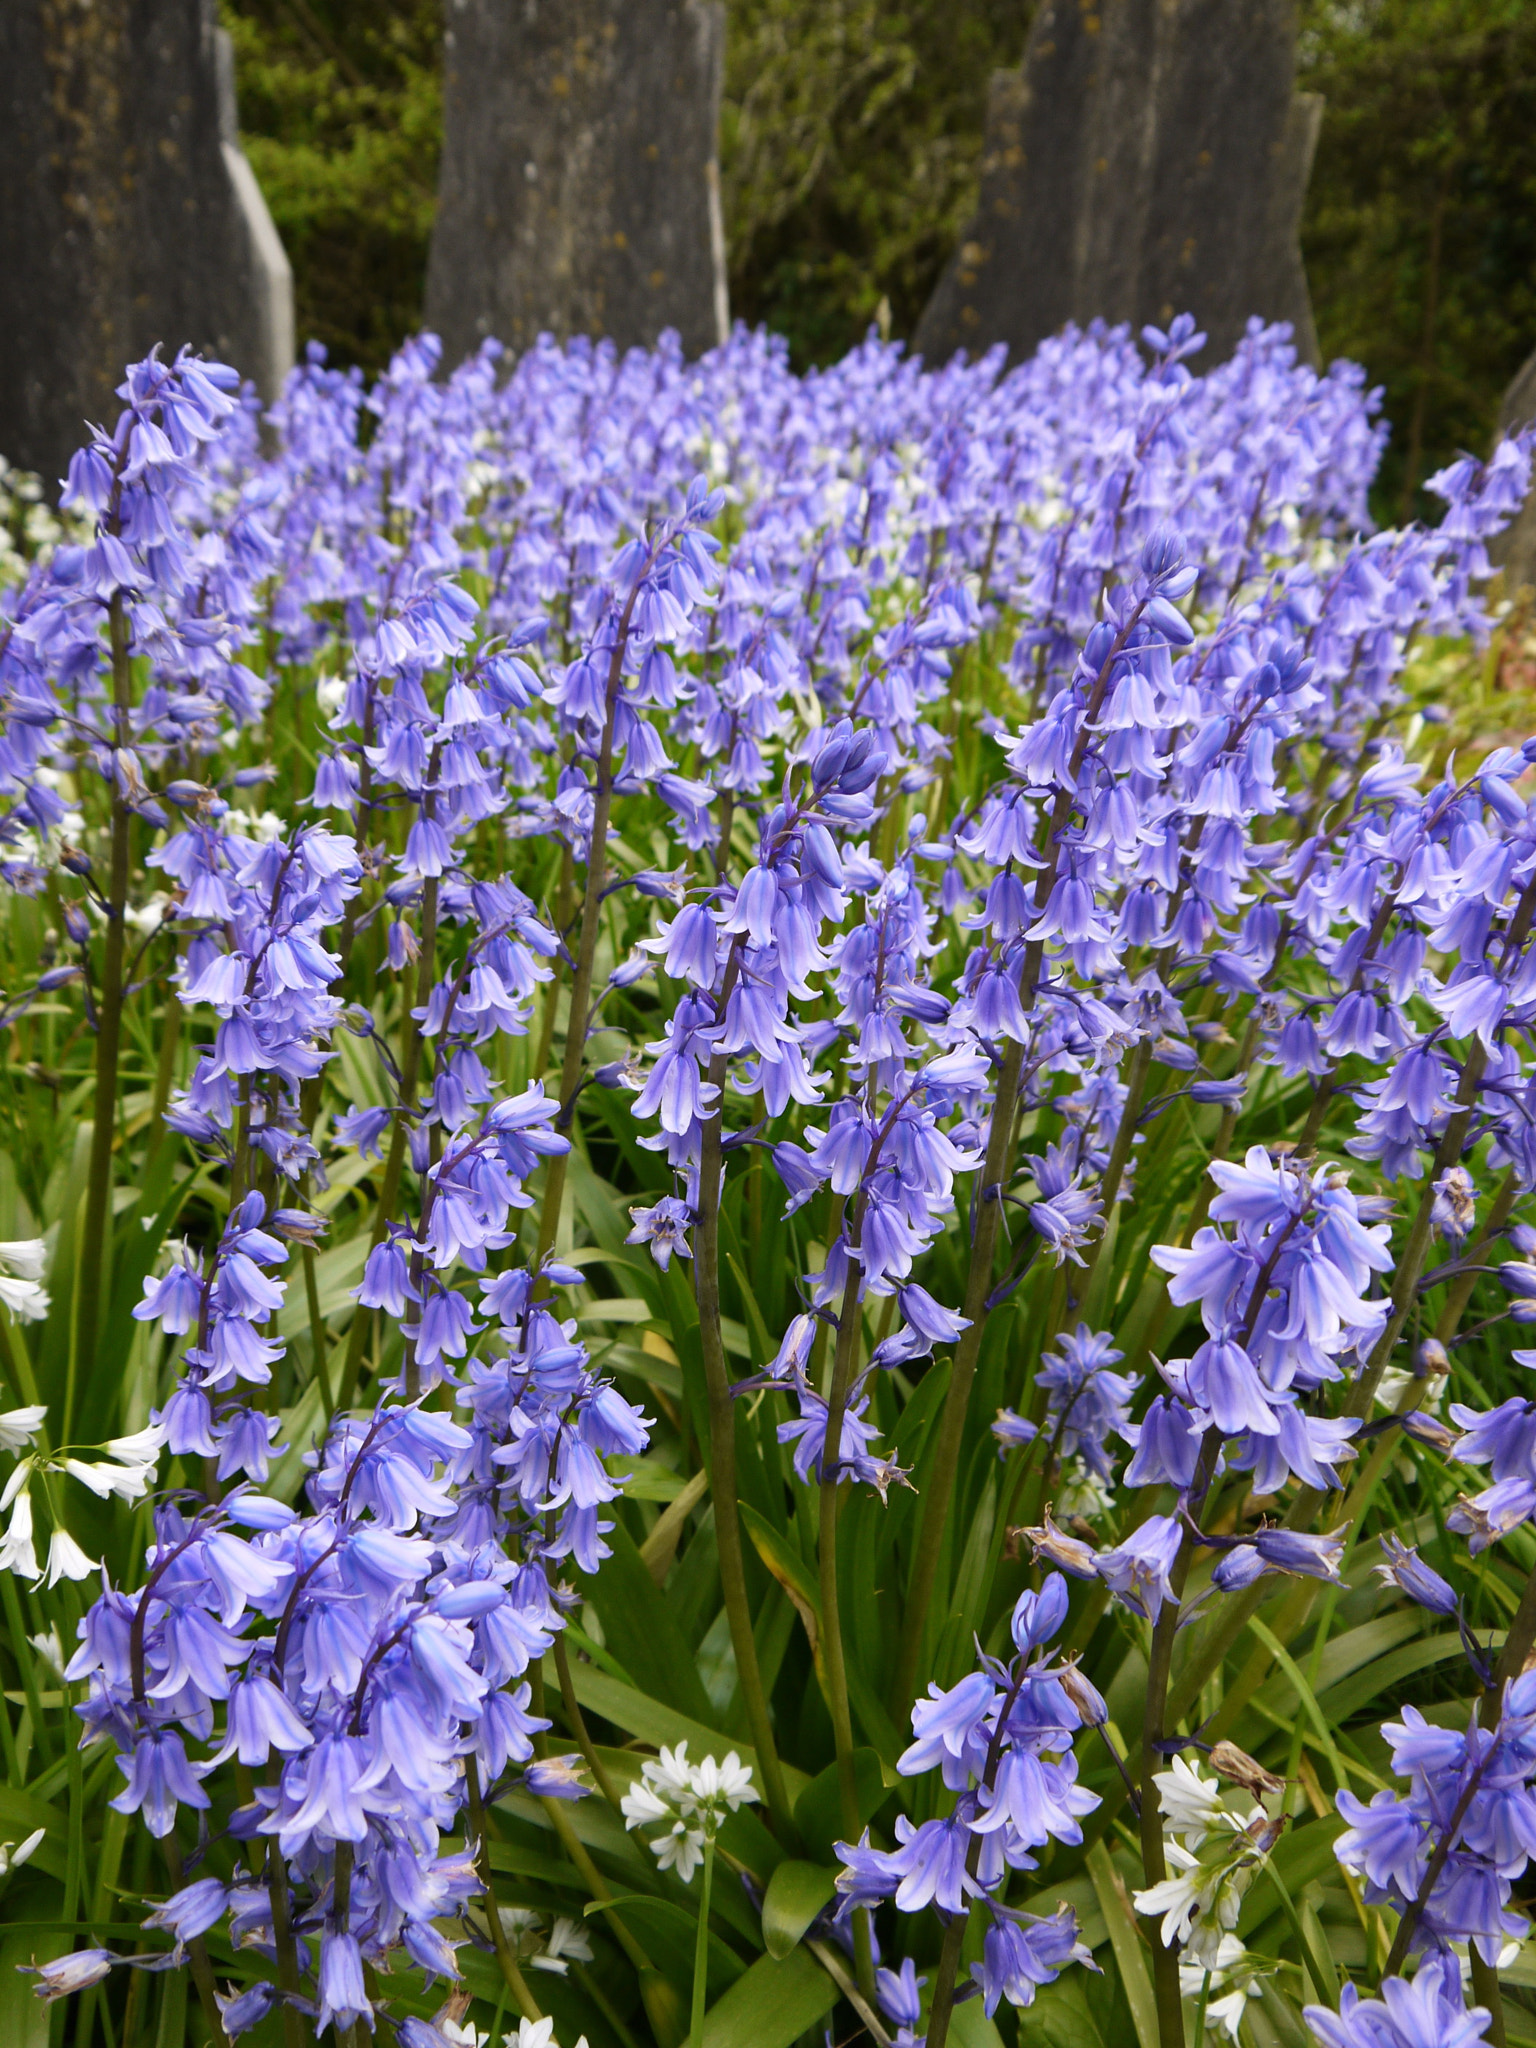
(850, 138)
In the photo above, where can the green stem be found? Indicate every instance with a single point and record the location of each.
(1205, 1995)
(317, 1329)
(551, 1001)
(197, 1953)
(994, 1176)
(946, 1456)
(833, 1662)
(340, 1919)
(1165, 1961)
(575, 1720)
(285, 1945)
(1485, 1990)
(722, 1452)
(92, 1275)
(593, 1879)
(701, 1950)
(944, 1981)
(512, 1976)
(394, 1162)
(586, 945)
(1119, 1157)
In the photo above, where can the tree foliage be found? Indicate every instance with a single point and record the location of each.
(1420, 235)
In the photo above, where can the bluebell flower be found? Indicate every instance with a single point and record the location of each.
(1021, 1952)
(1136, 1571)
(1427, 2008)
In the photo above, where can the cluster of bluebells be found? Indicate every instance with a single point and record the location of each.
(361, 1652)
(514, 597)
(1466, 1826)
(1001, 1741)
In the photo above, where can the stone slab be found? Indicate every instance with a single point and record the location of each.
(128, 214)
(1149, 157)
(579, 192)
(1514, 550)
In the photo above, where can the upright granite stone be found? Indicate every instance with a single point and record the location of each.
(1514, 550)
(579, 192)
(1150, 157)
(128, 214)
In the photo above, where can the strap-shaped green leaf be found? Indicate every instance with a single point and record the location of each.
(796, 1894)
(773, 2004)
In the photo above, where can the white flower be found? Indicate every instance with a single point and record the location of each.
(463, 2033)
(1201, 1904)
(694, 1797)
(680, 1849)
(24, 1298)
(672, 1774)
(18, 1426)
(1234, 1980)
(128, 1482)
(50, 1649)
(26, 1257)
(1188, 1803)
(640, 1806)
(14, 1854)
(16, 1552)
(149, 915)
(142, 1448)
(66, 1560)
(1176, 1898)
(567, 1944)
(727, 1783)
(536, 2034)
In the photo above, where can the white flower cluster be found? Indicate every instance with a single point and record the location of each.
(22, 1263)
(530, 2034)
(565, 1943)
(131, 1467)
(1213, 1854)
(30, 529)
(690, 1799)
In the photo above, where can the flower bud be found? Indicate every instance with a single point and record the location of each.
(1228, 1761)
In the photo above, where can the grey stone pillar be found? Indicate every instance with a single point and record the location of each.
(579, 192)
(1514, 550)
(1150, 157)
(128, 214)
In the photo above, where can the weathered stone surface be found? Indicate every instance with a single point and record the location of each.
(1514, 550)
(1150, 157)
(579, 192)
(128, 215)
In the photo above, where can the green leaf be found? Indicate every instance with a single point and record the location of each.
(651, 1721)
(21, 1815)
(669, 1931)
(1061, 2016)
(762, 1344)
(23, 2015)
(796, 1894)
(337, 1272)
(1340, 1702)
(969, 2026)
(1125, 1939)
(791, 1571)
(819, 1809)
(641, 1629)
(772, 2005)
